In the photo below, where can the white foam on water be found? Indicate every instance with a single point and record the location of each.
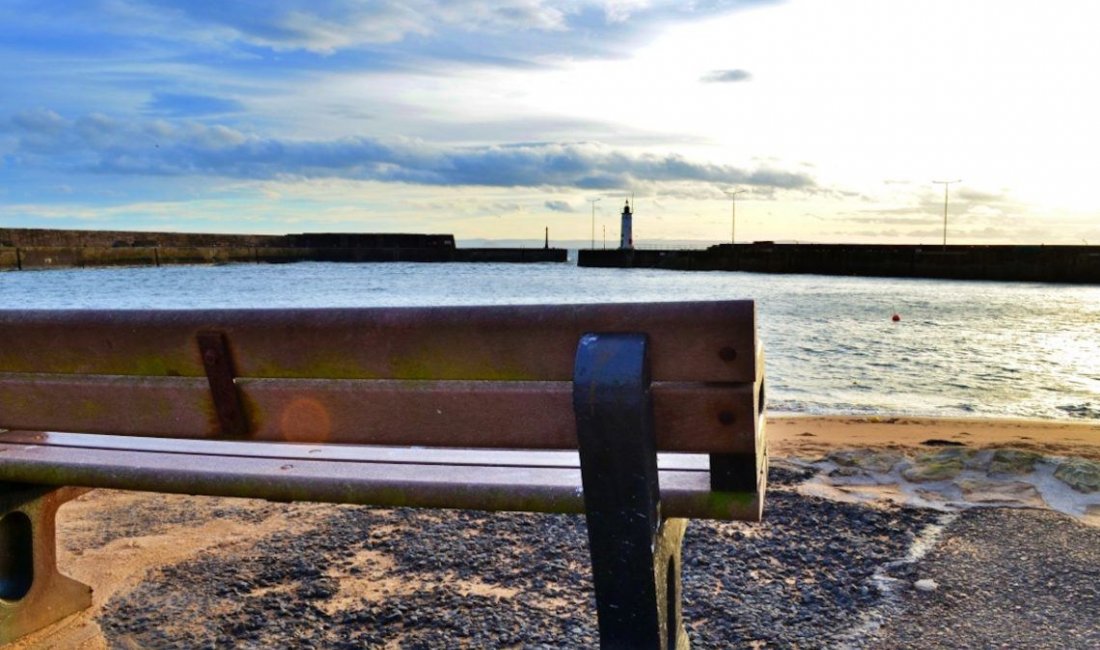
(1062, 497)
(868, 492)
(878, 488)
(872, 619)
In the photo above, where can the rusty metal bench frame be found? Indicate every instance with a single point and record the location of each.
(457, 407)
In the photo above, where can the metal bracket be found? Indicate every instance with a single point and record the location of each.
(33, 594)
(214, 349)
(635, 556)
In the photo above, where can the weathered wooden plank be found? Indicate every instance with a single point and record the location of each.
(713, 418)
(335, 453)
(683, 494)
(747, 469)
(160, 406)
(689, 341)
(539, 415)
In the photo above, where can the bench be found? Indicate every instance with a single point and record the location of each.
(559, 409)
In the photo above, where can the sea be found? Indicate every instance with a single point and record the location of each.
(958, 348)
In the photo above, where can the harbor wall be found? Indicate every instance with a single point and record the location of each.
(1065, 264)
(56, 238)
(15, 259)
(27, 248)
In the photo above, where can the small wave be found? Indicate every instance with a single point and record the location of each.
(1086, 411)
(957, 384)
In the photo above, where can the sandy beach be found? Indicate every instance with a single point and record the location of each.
(811, 436)
(207, 572)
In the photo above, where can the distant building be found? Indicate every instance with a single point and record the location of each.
(626, 239)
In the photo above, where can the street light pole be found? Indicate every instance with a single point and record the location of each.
(594, 202)
(733, 214)
(945, 184)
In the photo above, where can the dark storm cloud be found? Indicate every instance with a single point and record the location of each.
(103, 145)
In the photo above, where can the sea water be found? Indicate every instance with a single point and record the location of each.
(959, 349)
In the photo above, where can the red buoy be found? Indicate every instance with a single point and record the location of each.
(896, 318)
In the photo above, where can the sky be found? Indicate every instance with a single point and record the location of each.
(495, 120)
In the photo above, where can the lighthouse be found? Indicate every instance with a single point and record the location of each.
(626, 240)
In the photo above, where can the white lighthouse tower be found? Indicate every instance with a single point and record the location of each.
(626, 240)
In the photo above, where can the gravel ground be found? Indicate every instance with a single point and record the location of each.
(1004, 579)
(808, 577)
(365, 577)
(137, 514)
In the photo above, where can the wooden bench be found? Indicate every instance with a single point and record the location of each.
(453, 407)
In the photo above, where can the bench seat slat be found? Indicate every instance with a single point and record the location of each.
(529, 489)
(703, 418)
(336, 453)
(689, 341)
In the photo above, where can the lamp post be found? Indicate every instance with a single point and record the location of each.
(733, 214)
(594, 202)
(945, 184)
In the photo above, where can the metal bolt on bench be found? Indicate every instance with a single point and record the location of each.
(640, 416)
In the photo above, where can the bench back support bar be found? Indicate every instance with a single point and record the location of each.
(636, 574)
(214, 350)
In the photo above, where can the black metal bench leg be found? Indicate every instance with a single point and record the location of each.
(666, 567)
(33, 594)
(635, 556)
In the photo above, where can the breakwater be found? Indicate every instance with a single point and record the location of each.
(26, 248)
(1065, 264)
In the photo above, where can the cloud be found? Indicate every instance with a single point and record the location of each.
(485, 32)
(975, 195)
(326, 26)
(323, 27)
(41, 121)
(98, 144)
(185, 105)
(726, 76)
(618, 11)
(559, 206)
(889, 217)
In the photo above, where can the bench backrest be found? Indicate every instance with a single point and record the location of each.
(496, 376)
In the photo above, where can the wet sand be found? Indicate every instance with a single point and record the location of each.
(814, 436)
(123, 542)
